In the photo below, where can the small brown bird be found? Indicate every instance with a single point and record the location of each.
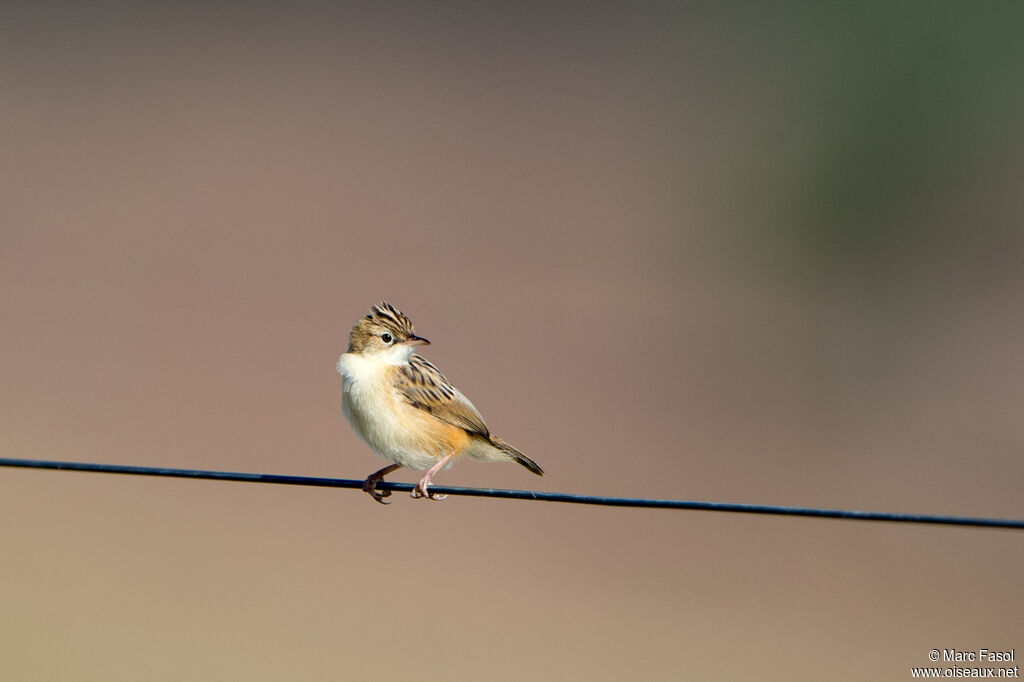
(405, 409)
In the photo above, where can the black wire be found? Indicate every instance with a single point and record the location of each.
(519, 494)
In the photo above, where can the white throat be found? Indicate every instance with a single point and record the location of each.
(398, 354)
(353, 365)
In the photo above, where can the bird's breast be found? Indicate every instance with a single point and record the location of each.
(380, 416)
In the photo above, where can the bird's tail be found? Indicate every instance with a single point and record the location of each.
(516, 455)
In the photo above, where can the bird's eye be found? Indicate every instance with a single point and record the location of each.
(386, 338)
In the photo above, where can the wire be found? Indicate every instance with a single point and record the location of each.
(519, 494)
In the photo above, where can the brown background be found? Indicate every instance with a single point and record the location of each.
(703, 252)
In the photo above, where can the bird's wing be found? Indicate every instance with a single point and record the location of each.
(424, 387)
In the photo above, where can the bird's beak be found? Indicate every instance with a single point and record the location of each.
(417, 341)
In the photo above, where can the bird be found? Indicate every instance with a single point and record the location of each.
(404, 408)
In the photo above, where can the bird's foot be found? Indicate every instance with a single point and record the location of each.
(422, 490)
(370, 484)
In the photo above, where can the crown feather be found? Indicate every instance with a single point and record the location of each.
(388, 315)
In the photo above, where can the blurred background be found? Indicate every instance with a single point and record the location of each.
(734, 252)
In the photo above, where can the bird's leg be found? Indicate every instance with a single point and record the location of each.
(370, 484)
(421, 488)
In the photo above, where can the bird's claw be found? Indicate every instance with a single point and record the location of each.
(370, 487)
(422, 490)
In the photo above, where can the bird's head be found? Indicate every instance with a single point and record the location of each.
(386, 330)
